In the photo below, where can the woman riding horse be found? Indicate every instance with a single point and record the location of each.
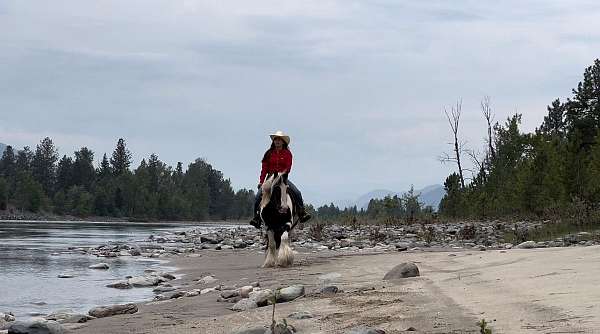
(278, 159)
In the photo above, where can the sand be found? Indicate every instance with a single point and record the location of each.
(517, 291)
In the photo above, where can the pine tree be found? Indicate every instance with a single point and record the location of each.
(8, 163)
(44, 165)
(104, 170)
(83, 168)
(24, 159)
(64, 174)
(121, 158)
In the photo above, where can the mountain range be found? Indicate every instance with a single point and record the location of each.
(430, 195)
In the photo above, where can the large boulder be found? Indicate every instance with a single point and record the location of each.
(109, 311)
(37, 326)
(261, 297)
(120, 285)
(403, 270)
(144, 281)
(244, 305)
(290, 293)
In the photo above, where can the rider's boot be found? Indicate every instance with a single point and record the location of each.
(256, 221)
(303, 216)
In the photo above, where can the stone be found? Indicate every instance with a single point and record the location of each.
(527, 244)
(229, 294)
(254, 330)
(68, 318)
(65, 276)
(193, 293)
(207, 280)
(330, 290)
(37, 326)
(261, 297)
(301, 315)
(120, 285)
(144, 281)
(290, 293)
(403, 270)
(101, 266)
(162, 289)
(365, 330)
(109, 311)
(245, 291)
(207, 290)
(244, 305)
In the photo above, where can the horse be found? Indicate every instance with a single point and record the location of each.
(277, 212)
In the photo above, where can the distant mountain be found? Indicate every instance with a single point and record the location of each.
(2, 148)
(430, 195)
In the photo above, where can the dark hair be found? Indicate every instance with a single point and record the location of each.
(271, 149)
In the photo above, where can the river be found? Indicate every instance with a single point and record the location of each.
(33, 254)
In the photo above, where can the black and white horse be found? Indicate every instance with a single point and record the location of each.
(277, 212)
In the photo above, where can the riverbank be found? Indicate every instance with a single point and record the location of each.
(516, 291)
(355, 261)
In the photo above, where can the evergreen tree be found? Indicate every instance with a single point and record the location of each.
(64, 174)
(8, 163)
(44, 165)
(83, 168)
(24, 159)
(104, 171)
(121, 158)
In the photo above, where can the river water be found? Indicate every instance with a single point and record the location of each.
(33, 254)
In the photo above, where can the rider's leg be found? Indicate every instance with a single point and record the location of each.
(297, 197)
(256, 221)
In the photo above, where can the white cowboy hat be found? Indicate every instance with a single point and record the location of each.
(280, 134)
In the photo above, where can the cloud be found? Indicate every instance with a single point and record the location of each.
(360, 85)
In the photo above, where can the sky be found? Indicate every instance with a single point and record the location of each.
(360, 86)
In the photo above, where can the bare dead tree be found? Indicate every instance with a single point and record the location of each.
(486, 109)
(478, 162)
(454, 121)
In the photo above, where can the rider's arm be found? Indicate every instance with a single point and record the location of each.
(288, 161)
(263, 172)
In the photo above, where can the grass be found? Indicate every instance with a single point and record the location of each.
(548, 231)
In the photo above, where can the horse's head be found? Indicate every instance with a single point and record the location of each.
(274, 191)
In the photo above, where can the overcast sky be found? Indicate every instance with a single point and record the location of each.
(359, 85)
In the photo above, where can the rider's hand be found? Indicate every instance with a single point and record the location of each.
(259, 185)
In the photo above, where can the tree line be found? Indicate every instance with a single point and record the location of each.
(390, 209)
(38, 180)
(551, 172)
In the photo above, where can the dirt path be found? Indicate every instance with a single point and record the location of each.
(517, 291)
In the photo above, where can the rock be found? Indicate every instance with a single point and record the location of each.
(403, 270)
(193, 293)
(207, 290)
(8, 317)
(102, 266)
(253, 330)
(330, 290)
(120, 285)
(37, 326)
(527, 244)
(365, 330)
(109, 311)
(245, 291)
(244, 305)
(162, 289)
(173, 294)
(207, 280)
(301, 315)
(290, 293)
(168, 276)
(144, 281)
(65, 276)
(68, 318)
(281, 329)
(229, 294)
(261, 297)
(411, 329)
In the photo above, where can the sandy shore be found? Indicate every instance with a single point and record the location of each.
(550, 290)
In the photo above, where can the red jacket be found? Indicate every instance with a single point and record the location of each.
(276, 162)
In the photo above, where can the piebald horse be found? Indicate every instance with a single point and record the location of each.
(277, 212)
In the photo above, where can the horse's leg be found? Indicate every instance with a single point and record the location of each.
(270, 260)
(285, 258)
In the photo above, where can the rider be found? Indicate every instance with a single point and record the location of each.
(278, 159)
